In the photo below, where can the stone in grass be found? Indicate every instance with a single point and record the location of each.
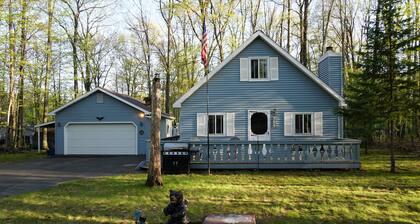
(230, 218)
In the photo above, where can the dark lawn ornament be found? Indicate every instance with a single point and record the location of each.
(177, 208)
(139, 217)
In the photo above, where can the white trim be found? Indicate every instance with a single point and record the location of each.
(280, 50)
(107, 93)
(265, 137)
(224, 124)
(44, 124)
(294, 124)
(268, 74)
(100, 122)
(328, 54)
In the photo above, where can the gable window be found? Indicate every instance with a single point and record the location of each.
(215, 124)
(303, 123)
(259, 68)
(99, 98)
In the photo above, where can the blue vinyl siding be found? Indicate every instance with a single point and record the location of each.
(294, 91)
(86, 110)
(330, 71)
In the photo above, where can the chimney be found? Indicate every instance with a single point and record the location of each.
(330, 70)
(147, 100)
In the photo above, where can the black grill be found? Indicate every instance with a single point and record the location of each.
(176, 161)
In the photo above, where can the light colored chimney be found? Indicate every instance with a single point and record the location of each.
(330, 70)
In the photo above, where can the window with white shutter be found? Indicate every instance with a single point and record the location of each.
(216, 124)
(201, 124)
(259, 69)
(318, 124)
(274, 68)
(244, 66)
(230, 124)
(303, 124)
(288, 124)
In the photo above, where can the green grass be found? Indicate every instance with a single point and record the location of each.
(20, 156)
(372, 195)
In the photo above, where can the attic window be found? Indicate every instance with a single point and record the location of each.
(99, 98)
(259, 68)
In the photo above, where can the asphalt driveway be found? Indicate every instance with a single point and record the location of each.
(26, 176)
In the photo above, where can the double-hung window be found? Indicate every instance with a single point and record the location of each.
(216, 124)
(303, 123)
(259, 68)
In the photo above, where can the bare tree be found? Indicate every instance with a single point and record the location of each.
(303, 25)
(154, 176)
(142, 29)
(47, 72)
(11, 117)
(167, 10)
(255, 12)
(289, 7)
(22, 65)
(326, 17)
(220, 16)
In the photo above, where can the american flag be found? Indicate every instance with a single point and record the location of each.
(204, 45)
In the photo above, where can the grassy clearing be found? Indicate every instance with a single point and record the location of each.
(20, 156)
(372, 195)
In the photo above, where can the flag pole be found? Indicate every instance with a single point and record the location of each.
(204, 60)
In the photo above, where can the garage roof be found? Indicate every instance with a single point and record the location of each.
(137, 104)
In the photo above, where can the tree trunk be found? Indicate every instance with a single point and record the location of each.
(154, 176)
(11, 118)
(22, 64)
(281, 24)
(303, 9)
(74, 54)
(366, 146)
(325, 25)
(47, 74)
(289, 6)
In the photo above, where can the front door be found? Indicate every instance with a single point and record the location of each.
(259, 125)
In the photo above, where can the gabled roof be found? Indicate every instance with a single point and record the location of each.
(137, 104)
(280, 50)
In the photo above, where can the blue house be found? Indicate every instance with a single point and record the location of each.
(267, 110)
(103, 122)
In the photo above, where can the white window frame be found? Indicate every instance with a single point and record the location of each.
(312, 124)
(224, 124)
(268, 74)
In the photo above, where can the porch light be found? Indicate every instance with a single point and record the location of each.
(141, 115)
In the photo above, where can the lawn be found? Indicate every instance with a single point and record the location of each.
(372, 195)
(20, 156)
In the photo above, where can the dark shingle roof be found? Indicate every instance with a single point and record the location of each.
(133, 101)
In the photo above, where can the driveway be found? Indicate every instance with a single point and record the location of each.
(21, 177)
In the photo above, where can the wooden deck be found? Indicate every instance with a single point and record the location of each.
(304, 154)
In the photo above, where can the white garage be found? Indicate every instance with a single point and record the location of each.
(100, 139)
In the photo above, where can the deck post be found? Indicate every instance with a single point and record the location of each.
(39, 139)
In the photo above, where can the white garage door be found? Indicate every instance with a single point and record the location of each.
(100, 139)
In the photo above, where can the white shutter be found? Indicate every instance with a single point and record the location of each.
(201, 124)
(274, 68)
(288, 123)
(230, 124)
(244, 63)
(318, 124)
